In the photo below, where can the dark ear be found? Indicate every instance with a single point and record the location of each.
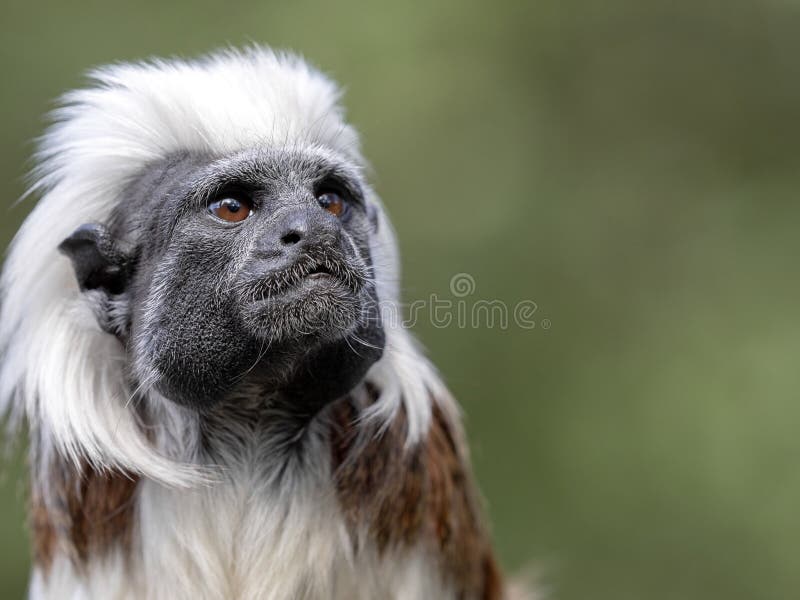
(97, 261)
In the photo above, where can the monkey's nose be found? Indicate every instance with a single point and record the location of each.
(292, 233)
(293, 229)
(290, 238)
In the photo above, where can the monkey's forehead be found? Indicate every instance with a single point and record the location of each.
(136, 113)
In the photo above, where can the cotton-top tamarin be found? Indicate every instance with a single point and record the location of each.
(199, 327)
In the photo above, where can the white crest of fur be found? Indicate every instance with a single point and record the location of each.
(59, 369)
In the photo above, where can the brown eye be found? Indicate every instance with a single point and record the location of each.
(232, 210)
(333, 203)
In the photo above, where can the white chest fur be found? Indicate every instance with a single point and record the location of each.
(241, 540)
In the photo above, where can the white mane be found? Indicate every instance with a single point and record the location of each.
(59, 370)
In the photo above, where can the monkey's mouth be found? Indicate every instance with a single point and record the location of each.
(314, 276)
(319, 272)
(317, 299)
(311, 279)
(312, 273)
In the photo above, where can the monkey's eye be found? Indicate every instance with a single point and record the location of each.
(232, 210)
(333, 203)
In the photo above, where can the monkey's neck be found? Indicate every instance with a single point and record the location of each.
(396, 506)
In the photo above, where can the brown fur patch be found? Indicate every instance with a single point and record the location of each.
(424, 494)
(84, 513)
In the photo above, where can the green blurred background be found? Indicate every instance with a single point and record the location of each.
(633, 168)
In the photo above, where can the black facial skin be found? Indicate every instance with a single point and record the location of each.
(282, 301)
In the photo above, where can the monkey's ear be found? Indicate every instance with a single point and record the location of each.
(97, 261)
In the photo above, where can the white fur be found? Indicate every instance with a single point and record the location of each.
(248, 537)
(226, 542)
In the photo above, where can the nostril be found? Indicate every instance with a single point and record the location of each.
(291, 238)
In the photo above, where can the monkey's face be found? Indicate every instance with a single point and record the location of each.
(248, 270)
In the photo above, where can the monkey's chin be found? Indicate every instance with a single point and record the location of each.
(320, 307)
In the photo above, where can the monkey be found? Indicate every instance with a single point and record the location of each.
(199, 329)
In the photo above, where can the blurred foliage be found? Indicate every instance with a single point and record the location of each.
(632, 167)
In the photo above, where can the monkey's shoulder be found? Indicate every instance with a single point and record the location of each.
(420, 496)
